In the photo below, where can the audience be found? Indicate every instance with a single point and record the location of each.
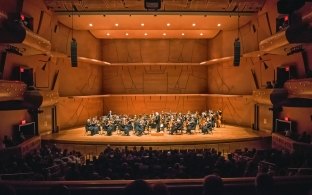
(264, 184)
(8, 142)
(160, 189)
(138, 187)
(7, 190)
(51, 163)
(59, 190)
(213, 185)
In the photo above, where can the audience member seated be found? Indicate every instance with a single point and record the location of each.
(7, 190)
(59, 190)
(138, 187)
(213, 185)
(160, 189)
(8, 142)
(51, 163)
(305, 138)
(264, 184)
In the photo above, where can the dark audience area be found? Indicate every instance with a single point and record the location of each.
(145, 164)
(52, 163)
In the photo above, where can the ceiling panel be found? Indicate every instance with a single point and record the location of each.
(121, 17)
(167, 5)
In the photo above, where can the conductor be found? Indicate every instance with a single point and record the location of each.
(157, 121)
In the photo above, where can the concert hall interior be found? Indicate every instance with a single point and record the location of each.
(166, 91)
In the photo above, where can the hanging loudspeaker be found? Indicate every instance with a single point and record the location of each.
(73, 53)
(236, 52)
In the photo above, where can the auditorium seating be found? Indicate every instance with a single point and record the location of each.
(182, 171)
(299, 185)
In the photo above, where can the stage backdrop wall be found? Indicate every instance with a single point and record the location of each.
(154, 79)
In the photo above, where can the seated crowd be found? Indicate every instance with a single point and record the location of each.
(212, 185)
(51, 163)
(303, 138)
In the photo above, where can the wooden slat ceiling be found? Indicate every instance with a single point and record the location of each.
(123, 19)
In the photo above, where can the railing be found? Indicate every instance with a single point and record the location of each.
(17, 176)
(22, 149)
(283, 185)
(281, 142)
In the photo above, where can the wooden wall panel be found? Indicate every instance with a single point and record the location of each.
(228, 79)
(86, 79)
(154, 79)
(160, 50)
(148, 104)
(75, 112)
(236, 110)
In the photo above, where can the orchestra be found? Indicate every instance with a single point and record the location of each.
(172, 123)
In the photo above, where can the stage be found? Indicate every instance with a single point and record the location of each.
(228, 137)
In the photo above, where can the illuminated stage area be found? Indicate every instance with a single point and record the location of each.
(226, 138)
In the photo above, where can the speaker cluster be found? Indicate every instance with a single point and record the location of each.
(236, 52)
(73, 53)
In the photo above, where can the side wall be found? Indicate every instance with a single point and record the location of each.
(224, 78)
(56, 74)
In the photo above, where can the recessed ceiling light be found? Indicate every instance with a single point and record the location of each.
(193, 24)
(182, 34)
(116, 24)
(219, 25)
(90, 24)
(107, 34)
(201, 34)
(168, 24)
(145, 34)
(127, 34)
(164, 34)
(142, 24)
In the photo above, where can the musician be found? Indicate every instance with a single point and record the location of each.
(207, 126)
(157, 121)
(93, 126)
(190, 125)
(109, 127)
(110, 115)
(177, 125)
(219, 118)
(124, 126)
(139, 127)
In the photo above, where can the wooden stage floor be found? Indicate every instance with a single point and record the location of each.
(225, 134)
